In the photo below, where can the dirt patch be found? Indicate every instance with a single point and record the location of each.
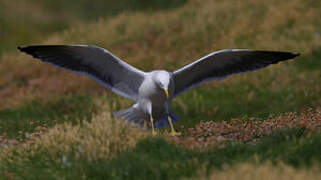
(245, 129)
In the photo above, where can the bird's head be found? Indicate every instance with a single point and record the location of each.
(162, 79)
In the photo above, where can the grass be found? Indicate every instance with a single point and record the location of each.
(158, 159)
(38, 114)
(107, 136)
(262, 171)
(108, 148)
(230, 102)
(21, 25)
(103, 148)
(311, 62)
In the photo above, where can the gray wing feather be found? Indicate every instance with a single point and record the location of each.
(220, 64)
(94, 62)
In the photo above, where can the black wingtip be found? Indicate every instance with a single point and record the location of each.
(28, 49)
(22, 48)
(295, 54)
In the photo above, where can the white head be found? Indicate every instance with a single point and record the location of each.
(162, 79)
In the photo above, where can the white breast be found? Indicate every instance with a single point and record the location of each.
(149, 91)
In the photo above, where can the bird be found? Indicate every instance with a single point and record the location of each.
(152, 91)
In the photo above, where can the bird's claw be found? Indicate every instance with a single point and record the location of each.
(174, 133)
(154, 133)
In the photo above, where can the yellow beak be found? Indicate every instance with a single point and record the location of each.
(166, 92)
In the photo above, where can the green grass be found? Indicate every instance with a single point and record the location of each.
(72, 108)
(158, 159)
(311, 62)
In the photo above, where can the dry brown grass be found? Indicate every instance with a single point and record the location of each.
(30, 79)
(167, 39)
(102, 137)
(246, 129)
(18, 8)
(266, 171)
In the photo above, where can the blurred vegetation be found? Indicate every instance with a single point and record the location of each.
(29, 21)
(155, 35)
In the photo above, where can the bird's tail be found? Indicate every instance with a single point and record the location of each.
(132, 114)
(137, 116)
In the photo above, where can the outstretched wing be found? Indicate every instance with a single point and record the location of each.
(220, 64)
(94, 62)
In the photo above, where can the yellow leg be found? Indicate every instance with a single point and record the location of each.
(154, 133)
(145, 125)
(173, 132)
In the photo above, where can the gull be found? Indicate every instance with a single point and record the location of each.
(152, 91)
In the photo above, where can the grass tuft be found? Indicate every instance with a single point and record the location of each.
(266, 171)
